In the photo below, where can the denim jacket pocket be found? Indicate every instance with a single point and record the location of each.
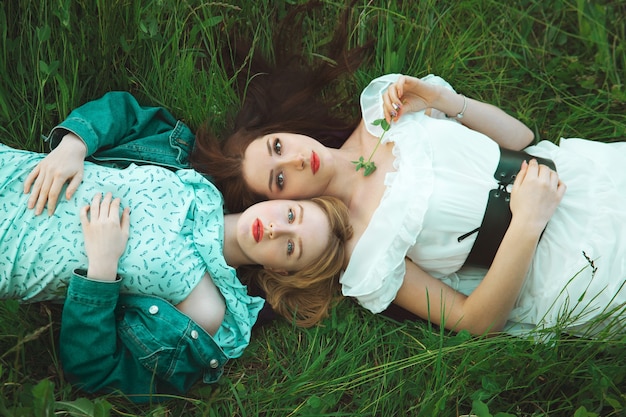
(152, 345)
(169, 345)
(182, 141)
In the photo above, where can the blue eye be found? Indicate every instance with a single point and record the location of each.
(290, 247)
(280, 181)
(277, 146)
(290, 216)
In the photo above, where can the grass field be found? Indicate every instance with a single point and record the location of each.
(559, 66)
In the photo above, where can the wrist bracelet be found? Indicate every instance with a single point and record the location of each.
(462, 113)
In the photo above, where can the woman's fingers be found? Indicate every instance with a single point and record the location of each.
(84, 218)
(103, 207)
(106, 234)
(390, 109)
(125, 221)
(550, 177)
(34, 192)
(392, 99)
(537, 192)
(30, 179)
(114, 209)
(63, 165)
(45, 189)
(519, 178)
(52, 196)
(95, 206)
(73, 185)
(43, 194)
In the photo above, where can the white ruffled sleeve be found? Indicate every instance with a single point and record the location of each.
(377, 266)
(436, 80)
(372, 100)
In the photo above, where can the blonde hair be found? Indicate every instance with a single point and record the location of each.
(306, 295)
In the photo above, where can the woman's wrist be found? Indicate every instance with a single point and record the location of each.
(71, 140)
(102, 271)
(461, 114)
(527, 229)
(454, 105)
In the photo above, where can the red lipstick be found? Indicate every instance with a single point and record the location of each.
(257, 230)
(315, 162)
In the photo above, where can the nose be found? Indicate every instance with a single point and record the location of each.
(276, 230)
(297, 161)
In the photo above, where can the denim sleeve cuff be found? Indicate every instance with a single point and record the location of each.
(89, 291)
(80, 128)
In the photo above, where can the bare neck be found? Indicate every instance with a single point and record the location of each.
(233, 255)
(346, 178)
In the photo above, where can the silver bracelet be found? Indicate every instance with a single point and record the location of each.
(462, 113)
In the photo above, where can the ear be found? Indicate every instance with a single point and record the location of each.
(277, 271)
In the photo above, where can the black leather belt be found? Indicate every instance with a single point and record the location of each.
(497, 215)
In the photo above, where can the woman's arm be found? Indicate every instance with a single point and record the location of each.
(93, 357)
(412, 94)
(115, 118)
(487, 308)
(139, 345)
(112, 120)
(91, 353)
(536, 193)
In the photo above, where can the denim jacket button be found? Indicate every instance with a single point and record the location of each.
(153, 309)
(214, 363)
(194, 334)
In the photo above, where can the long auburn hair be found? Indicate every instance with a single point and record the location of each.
(305, 296)
(286, 96)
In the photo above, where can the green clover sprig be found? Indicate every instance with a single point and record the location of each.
(369, 166)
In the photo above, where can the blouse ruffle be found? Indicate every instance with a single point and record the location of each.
(377, 266)
(208, 234)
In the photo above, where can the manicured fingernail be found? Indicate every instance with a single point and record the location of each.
(393, 114)
(395, 106)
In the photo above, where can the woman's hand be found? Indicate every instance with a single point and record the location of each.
(64, 164)
(409, 94)
(536, 193)
(106, 235)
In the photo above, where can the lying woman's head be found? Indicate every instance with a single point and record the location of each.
(297, 92)
(254, 165)
(300, 274)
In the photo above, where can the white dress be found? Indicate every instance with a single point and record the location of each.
(444, 172)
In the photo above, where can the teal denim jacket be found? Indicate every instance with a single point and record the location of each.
(139, 345)
(118, 131)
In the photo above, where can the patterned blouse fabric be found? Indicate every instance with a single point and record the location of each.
(176, 236)
(439, 191)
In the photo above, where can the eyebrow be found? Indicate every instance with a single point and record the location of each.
(300, 222)
(269, 151)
